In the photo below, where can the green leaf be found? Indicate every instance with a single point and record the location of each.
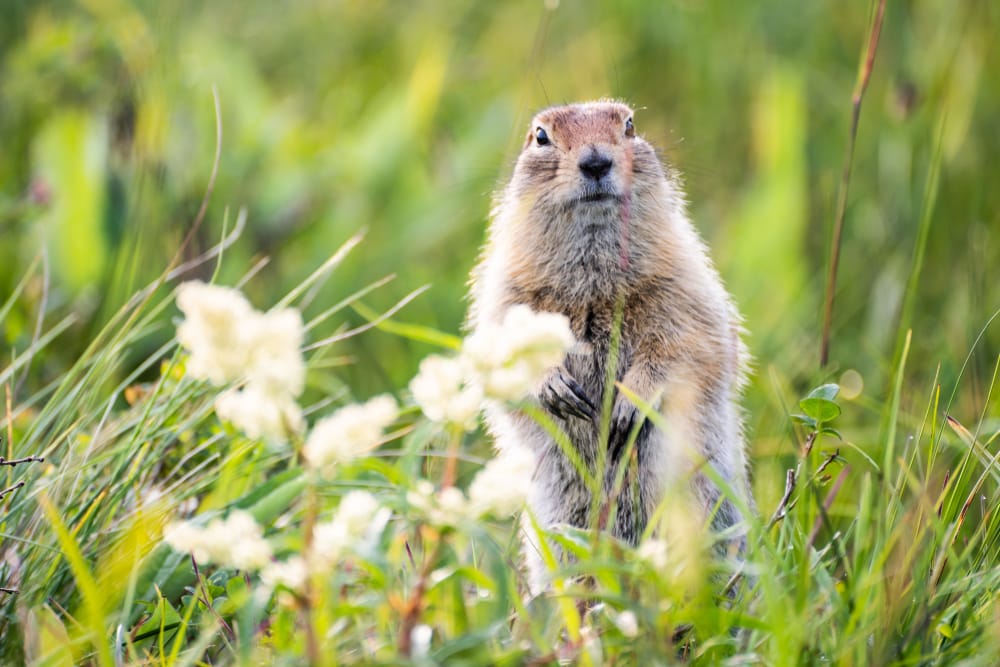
(236, 588)
(804, 420)
(827, 391)
(820, 409)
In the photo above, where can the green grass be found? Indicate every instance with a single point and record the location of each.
(401, 118)
(879, 553)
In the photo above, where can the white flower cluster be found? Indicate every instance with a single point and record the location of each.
(238, 541)
(510, 359)
(235, 541)
(227, 340)
(502, 486)
(291, 573)
(358, 518)
(503, 362)
(349, 432)
(448, 507)
(445, 395)
(499, 489)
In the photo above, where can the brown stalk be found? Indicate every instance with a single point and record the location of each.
(861, 85)
(413, 607)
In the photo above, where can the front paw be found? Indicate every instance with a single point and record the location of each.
(564, 397)
(625, 417)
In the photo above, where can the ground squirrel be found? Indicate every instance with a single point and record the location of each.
(591, 219)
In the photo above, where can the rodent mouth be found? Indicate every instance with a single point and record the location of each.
(597, 196)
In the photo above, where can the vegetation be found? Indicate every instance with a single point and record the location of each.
(147, 144)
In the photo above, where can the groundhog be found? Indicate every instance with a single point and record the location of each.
(592, 224)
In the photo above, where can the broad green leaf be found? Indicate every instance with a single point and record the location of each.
(827, 391)
(820, 409)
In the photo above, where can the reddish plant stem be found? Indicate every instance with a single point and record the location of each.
(415, 605)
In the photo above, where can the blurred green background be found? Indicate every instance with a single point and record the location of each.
(404, 117)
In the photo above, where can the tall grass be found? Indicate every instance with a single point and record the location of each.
(885, 552)
(879, 543)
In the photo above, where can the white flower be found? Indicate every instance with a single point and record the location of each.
(187, 538)
(420, 640)
(240, 540)
(444, 394)
(275, 352)
(291, 574)
(452, 505)
(654, 551)
(358, 513)
(447, 507)
(258, 413)
(502, 486)
(509, 359)
(350, 432)
(212, 330)
(421, 496)
(547, 336)
(330, 539)
(627, 623)
(236, 541)
(227, 340)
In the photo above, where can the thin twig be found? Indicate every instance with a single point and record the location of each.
(205, 597)
(807, 446)
(26, 459)
(9, 489)
(860, 86)
(782, 510)
(829, 459)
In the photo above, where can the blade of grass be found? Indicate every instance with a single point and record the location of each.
(860, 86)
(89, 592)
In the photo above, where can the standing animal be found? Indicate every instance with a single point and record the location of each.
(592, 225)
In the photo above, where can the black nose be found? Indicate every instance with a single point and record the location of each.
(595, 166)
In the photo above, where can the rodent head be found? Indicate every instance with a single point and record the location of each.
(585, 155)
(588, 204)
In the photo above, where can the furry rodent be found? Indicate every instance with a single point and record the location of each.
(592, 221)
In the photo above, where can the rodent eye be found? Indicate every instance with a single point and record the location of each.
(629, 128)
(542, 137)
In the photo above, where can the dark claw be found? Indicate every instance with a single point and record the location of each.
(624, 417)
(564, 397)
